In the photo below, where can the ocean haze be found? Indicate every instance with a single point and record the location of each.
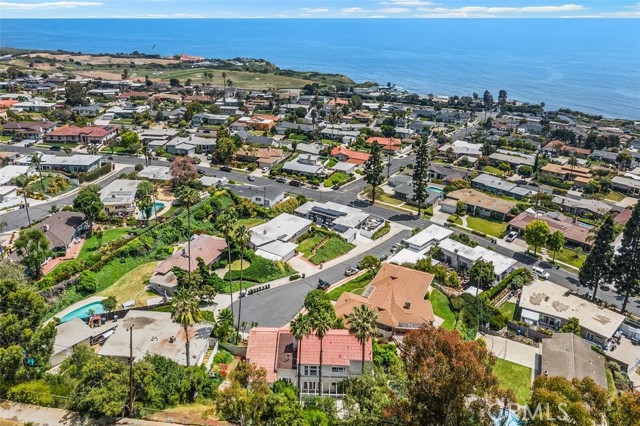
(592, 65)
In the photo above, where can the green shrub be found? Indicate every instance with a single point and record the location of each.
(36, 392)
(453, 218)
(223, 357)
(382, 231)
(87, 282)
(482, 234)
(139, 167)
(294, 277)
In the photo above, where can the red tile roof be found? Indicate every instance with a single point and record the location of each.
(355, 157)
(262, 350)
(623, 217)
(7, 103)
(95, 131)
(385, 142)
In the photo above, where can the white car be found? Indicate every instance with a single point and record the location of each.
(541, 273)
(511, 236)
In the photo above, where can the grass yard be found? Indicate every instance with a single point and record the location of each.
(386, 198)
(247, 80)
(614, 196)
(235, 265)
(337, 177)
(488, 226)
(261, 270)
(508, 309)
(249, 222)
(331, 162)
(491, 169)
(441, 308)
(91, 244)
(515, 377)
(356, 286)
(131, 286)
(331, 249)
(308, 244)
(570, 257)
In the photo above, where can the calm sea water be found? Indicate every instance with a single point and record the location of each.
(591, 65)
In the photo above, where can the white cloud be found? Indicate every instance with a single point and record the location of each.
(187, 15)
(354, 10)
(394, 10)
(483, 11)
(48, 5)
(407, 2)
(315, 9)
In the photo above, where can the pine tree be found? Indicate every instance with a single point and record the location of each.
(420, 175)
(597, 267)
(627, 262)
(374, 170)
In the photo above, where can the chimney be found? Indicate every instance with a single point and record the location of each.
(407, 304)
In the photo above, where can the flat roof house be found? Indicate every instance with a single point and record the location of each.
(266, 195)
(480, 204)
(275, 239)
(208, 248)
(494, 185)
(343, 219)
(306, 165)
(276, 350)
(119, 197)
(569, 356)
(419, 245)
(549, 305)
(626, 185)
(155, 333)
(161, 173)
(69, 335)
(397, 295)
(462, 148)
(462, 257)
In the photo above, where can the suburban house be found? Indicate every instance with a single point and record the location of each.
(342, 153)
(570, 356)
(260, 122)
(28, 129)
(265, 196)
(626, 185)
(461, 149)
(34, 105)
(345, 220)
(86, 111)
(276, 239)
(306, 165)
(12, 171)
(604, 156)
(157, 135)
(549, 305)
(155, 333)
(574, 234)
(419, 245)
(287, 126)
(160, 173)
(69, 335)
(61, 228)
(96, 135)
(514, 159)
(205, 247)
(189, 145)
(579, 175)
(582, 206)
(479, 204)
(119, 197)
(462, 257)
(446, 172)
(397, 294)
(389, 145)
(263, 157)
(73, 164)
(557, 146)
(206, 119)
(495, 185)
(276, 350)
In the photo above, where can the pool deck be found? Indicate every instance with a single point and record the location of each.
(78, 305)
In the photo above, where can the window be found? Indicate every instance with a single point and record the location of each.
(310, 370)
(338, 369)
(309, 386)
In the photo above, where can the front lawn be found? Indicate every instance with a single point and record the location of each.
(308, 244)
(53, 185)
(570, 257)
(131, 286)
(332, 248)
(386, 198)
(508, 309)
(261, 270)
(91, 245)
(515, 377)
(441, 308)
(356, 285)
(488, 226)
(336, 178)
(235, 265)
(491, 169)
(614, 196)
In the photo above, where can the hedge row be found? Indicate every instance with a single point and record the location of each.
(506, 281)
(382, 231)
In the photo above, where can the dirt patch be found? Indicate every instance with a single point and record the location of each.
(103, 60)
(196, 414)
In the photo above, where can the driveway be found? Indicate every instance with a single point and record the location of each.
(509, 350)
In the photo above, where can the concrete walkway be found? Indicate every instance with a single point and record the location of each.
(512, 351)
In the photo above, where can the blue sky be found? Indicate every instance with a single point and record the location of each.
(320, 9)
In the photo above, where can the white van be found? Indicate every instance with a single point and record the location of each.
(541, 273)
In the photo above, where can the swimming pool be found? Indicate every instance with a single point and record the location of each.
(435, 189)
(509, 419)
(83, 311)
(156, 207)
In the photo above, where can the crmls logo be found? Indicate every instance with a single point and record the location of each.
(539, 412)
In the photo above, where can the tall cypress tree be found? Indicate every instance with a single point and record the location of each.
(420, 175)
(374, 170)
(598, 266)
(627, 262)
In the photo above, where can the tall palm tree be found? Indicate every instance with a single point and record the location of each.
(185, 310)
(321, 322)
(243, 238)
(189, 197)
(573, 162)
(363, 325)
(22, 182)
(226, 225)
(300, 327)
(36, 162)
(224, 90)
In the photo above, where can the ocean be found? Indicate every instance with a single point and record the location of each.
(592, 65)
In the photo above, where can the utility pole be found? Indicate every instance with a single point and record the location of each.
(131, 371)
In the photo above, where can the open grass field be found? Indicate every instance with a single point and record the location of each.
(91, 244)
(131, 286)
(441, 308)
(490, 227)
(515, 377)
(356, 285)
(245, 80)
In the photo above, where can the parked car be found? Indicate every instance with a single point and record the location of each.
(265, 169)
(200, 171)
(541, 273)
(335, 187)
(350, 271)
(55, 148)
(225, 168)
(295, 183)
(322, 284)
(511, 236)
(383, 257)
(251, 178)
(281, 180)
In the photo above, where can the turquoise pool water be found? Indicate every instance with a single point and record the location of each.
(83, 311)
(156, 207)
(510, 419)
(435, 189)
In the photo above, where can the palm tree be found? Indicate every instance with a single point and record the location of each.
(573, 162)
(185, 310)
(22, 182)
(189, 197)
(226, 225)
(321, 322)
(300, 327)
(36, 162)
(363, 325)
(224, 82)
(243, 238)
